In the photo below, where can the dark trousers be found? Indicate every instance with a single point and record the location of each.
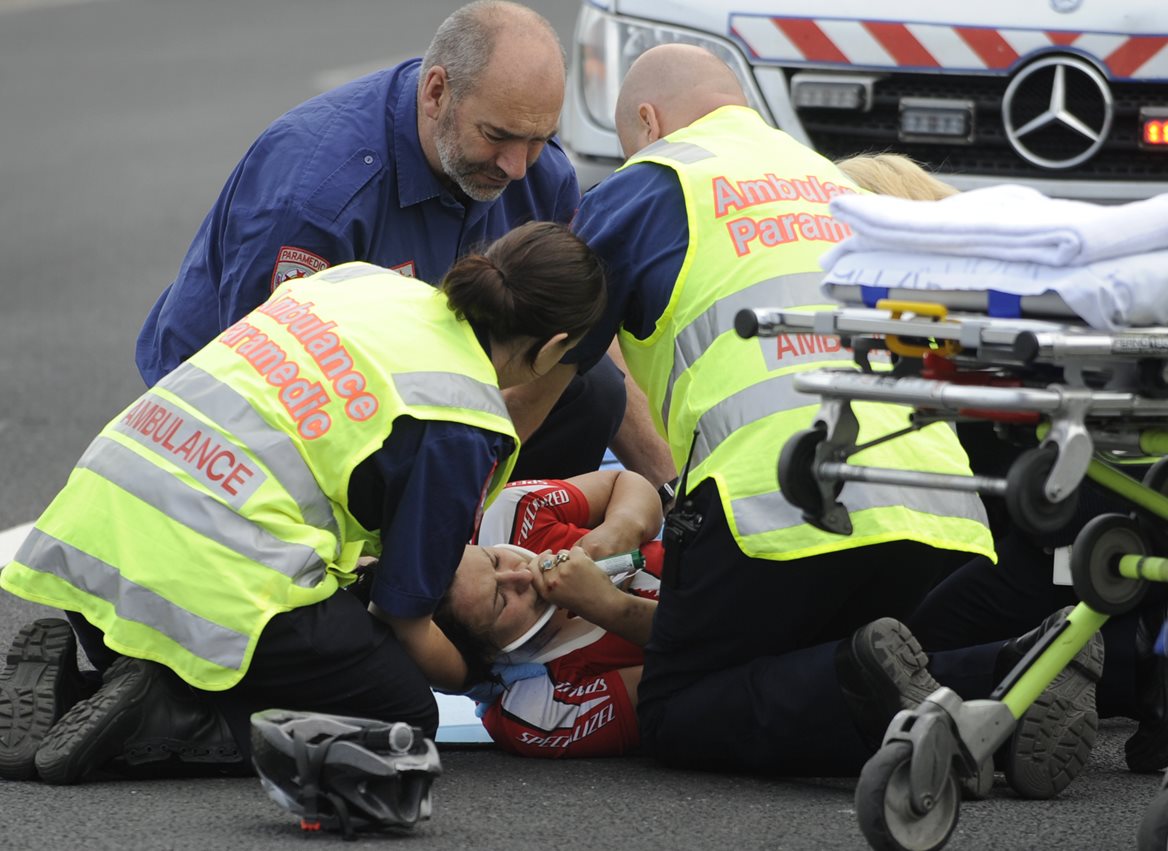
(983, 601)
(739, 670)
(574, 437)
(330, 657)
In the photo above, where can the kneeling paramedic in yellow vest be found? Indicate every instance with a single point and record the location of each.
(203, 543)
(716, 211)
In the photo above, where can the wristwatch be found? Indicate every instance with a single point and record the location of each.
(667, 492)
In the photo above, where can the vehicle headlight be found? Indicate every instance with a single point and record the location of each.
(608, 45)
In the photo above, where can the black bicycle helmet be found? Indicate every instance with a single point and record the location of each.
(344, 773)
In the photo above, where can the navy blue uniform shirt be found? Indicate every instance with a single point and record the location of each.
(341, 177)
(635, 221)
(423, 491)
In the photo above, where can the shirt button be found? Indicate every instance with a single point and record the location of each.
(368, 159)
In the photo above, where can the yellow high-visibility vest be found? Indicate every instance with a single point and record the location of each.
(758, 220)
(218, 499)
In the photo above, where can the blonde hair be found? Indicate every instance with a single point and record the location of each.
(895, 174)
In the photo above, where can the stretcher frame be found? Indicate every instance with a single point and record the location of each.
(1094, 400)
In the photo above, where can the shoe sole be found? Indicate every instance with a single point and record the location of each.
(1055, 736)
(94, 730)
(32, 692)
(891, 645)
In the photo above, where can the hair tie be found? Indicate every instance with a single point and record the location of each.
(499, 272)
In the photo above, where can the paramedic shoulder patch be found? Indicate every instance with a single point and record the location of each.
(295, 263)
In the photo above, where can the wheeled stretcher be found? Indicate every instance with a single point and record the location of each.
(1090, 401)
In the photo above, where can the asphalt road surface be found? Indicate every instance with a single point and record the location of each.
(119, 121)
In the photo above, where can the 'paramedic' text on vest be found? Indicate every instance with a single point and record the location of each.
(303, 400)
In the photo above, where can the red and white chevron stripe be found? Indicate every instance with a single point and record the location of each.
(884, 44)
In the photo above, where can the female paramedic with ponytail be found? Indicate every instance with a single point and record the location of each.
(200, 542)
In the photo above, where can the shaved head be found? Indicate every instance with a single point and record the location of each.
(669, 87)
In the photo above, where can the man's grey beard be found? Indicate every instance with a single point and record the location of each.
(455, 165)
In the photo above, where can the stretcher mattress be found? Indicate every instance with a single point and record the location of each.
(990, 302)
(1108, 295)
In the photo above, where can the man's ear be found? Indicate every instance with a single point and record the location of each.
(650, 122)
(433, 91)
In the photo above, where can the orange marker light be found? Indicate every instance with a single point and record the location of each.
(1154, 128)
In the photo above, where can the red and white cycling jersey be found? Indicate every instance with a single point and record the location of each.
(581, 708)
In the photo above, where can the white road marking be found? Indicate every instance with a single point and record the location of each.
(457, 723)
(11, 539)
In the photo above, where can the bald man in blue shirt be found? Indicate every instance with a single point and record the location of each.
(409, 168)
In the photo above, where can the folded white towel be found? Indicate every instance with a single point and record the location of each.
(1109, 294)
(1132, 290)
(1007, 222)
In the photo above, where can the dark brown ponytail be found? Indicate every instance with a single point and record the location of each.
(536, 281)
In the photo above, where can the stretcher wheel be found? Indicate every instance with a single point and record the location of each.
(884, 805)
(1153, 832)
(1026, 498)
(1095, 559)
(797, 480)
(1156, 528)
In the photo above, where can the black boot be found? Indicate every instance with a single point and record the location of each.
(1147, 748)
(38, 685)
(142, 715)
(881, 670)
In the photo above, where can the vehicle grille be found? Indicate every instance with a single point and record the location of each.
(838, 133)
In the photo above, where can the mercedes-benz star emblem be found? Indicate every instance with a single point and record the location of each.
(1057, 112)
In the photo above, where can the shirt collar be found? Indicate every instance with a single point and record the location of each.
(415, 181)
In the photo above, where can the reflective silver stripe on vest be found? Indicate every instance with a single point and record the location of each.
(200, 513)
(685, 153)
(449, 390)
(694, 339)
(203, 392)
(211, 641)
(770, 512)
(745, 407)
(171, 433)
